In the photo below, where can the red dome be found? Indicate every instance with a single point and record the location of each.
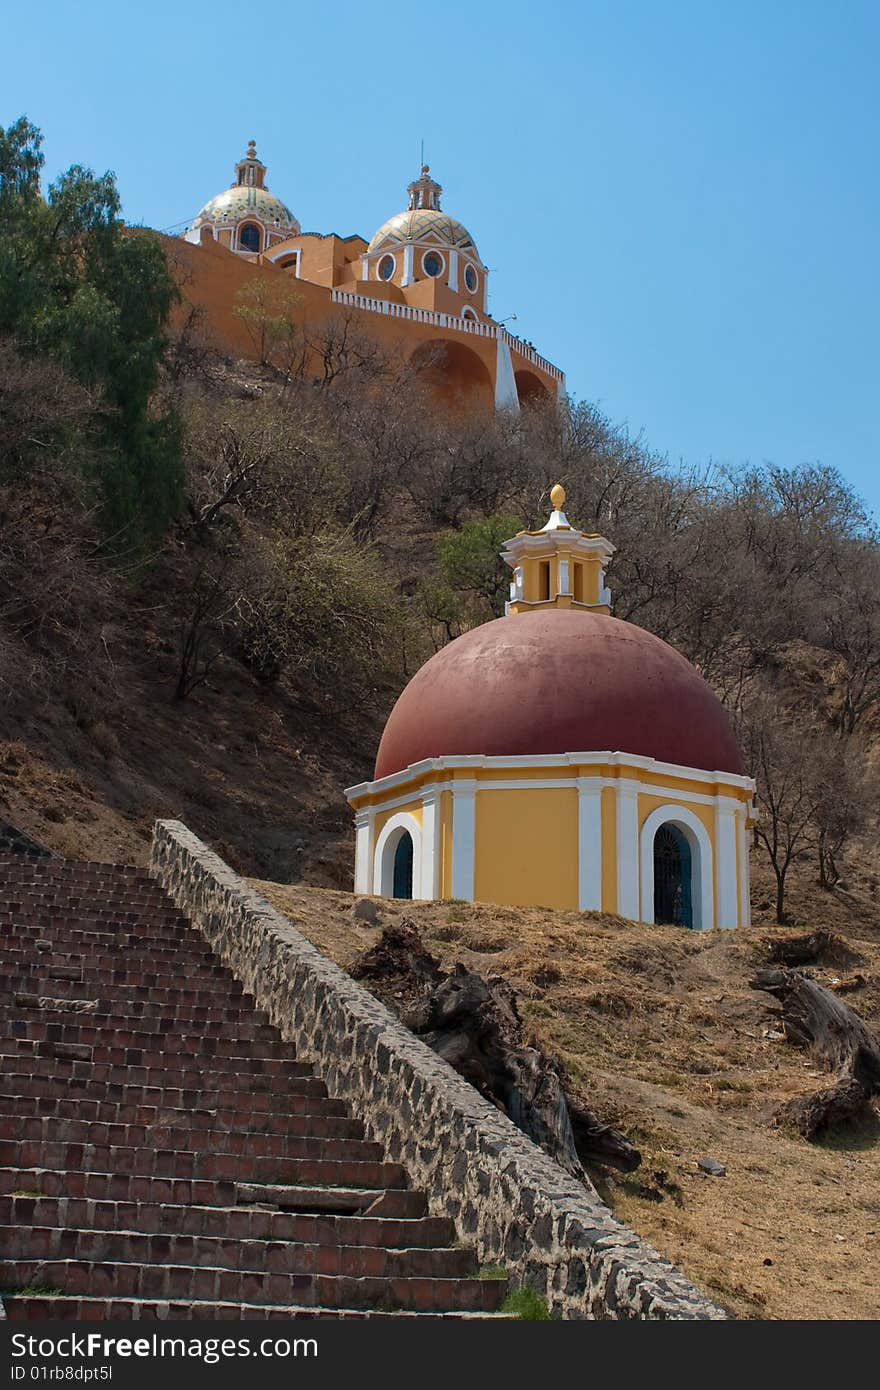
(559, 682)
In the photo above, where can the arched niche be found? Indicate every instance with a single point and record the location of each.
(387, 860)
(699, 849)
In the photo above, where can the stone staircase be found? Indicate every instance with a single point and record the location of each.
(163, 1154)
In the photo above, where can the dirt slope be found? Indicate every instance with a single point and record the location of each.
(659, 1030)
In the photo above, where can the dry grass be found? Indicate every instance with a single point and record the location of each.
(659, 1030)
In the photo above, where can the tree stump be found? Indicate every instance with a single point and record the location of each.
(816, 1019)
(473, 1023)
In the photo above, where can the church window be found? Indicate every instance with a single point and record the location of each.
(470, 278)
(433, 264)
(672, 878)
(249, 237)
(386, 267)
(544, 581)
(403, 867)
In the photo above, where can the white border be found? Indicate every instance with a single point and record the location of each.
(383, 857)
(469, 265)
(703, 900)
(724, 780)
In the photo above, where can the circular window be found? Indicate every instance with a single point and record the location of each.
(470, 278)
(386, 267)
(432, 264)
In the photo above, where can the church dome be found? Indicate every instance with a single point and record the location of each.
(559, 681)
(423, 220)
(248, 200)
(238, 203)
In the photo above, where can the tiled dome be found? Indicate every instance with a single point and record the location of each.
(237, 204)
(419, 224)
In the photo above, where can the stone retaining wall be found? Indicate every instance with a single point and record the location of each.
(507, 1198)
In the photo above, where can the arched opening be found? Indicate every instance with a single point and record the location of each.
(402, 885)
(673, 877)
(696, 866)
(249, 237)
(530, 389)
(454, 373)
(397, 863)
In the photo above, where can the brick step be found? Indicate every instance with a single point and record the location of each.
(174, 970)
(223, 1064)
(287, 1098)
(116, 909)
(54, 1110)
(348, 1201)
(89, 1026)
(30, 1307)
(106, 951)
(50, 1131)
(222, 1252)
(60, 1007)
(74, 934)
(229, 1223)
(219, 1284)
(33, 977)
(145, 1161)
(398, 1203)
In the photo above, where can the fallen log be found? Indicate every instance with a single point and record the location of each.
(816, 1019)
(472, 1022)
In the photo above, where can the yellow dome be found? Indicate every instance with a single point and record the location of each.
(420, 224)
(237, 204)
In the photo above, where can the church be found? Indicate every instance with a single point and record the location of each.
(560, 757)
(418, 285)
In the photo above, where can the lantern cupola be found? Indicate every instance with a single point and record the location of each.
(558, 566)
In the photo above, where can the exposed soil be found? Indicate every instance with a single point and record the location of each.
(661, 1034)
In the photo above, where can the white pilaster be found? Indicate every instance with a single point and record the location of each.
(506, 396)
(589, 844)
(363, 851)
(628, 848)
(464, 821)
(408, 274)
(745, 906)
(564, 583)
(365, 268)
(725, 861)
(430, 846)
(453, 270)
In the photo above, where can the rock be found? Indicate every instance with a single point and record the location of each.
(365, 910)
(712, 1167)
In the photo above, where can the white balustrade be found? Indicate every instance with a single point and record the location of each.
(458, 325)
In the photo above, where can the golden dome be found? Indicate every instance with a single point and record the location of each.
(421, 224)
(242, 201)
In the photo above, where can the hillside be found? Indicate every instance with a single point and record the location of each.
(660, 1034)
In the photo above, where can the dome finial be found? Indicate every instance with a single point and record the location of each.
(557, 497)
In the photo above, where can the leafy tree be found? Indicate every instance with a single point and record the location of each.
(470, 559)
(79, 287)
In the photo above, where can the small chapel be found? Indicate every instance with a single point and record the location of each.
(560, 757)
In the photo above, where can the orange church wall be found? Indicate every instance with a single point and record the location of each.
(211, 279)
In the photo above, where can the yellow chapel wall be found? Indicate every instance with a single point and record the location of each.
(526, 847)
(412, 808)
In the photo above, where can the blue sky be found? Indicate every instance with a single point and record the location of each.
(679, 201)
